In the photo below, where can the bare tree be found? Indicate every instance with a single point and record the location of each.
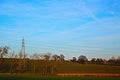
(47, 56)
(114, 61)
(4, 51)
(74, 59)
(55, 57)
(93, 60)
(99, 61)
(62, 57)
(118, 61)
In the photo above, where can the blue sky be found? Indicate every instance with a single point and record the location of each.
(69, 27)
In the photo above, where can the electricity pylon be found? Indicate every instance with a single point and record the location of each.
(22, 64)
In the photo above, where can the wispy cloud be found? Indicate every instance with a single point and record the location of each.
(63, 10)
(102, 25)
(87, 11)
(81, 22)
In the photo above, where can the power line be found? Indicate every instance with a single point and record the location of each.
(56, 46)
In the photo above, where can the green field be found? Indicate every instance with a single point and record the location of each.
(40, 66)
(13, 77)
(75, 67)
(69, 67)
(65, 67)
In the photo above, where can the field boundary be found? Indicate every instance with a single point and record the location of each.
(67, 74)
(90, 74)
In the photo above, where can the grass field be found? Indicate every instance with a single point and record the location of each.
(69, 67)
(94, 68)
(14, 77)
(37, 66)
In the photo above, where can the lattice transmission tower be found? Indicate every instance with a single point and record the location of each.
(23, 49)
(22, 55)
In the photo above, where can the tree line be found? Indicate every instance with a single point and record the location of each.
(48, 56)
(43, 64)
(83, 60)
